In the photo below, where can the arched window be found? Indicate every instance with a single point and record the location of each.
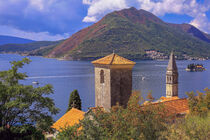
(102, 76)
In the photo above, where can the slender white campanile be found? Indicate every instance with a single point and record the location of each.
(172, 77)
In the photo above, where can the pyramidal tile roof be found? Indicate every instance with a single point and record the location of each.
(113, 59)
(71, 118)
(163, 99)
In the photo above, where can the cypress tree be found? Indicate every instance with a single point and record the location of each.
(74, 101)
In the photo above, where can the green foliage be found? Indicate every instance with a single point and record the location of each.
(190, 128)
(196, 125)
(24, 132)
(22, 105)
(146, 122)
(70, 132)
(74, 101)
(200, 104)
(133, 122)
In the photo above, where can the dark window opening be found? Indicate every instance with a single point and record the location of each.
(102, 76)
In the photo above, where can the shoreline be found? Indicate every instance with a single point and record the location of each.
(66, 59)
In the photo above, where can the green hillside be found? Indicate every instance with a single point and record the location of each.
(129, 33)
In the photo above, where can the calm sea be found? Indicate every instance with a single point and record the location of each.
(65, 76)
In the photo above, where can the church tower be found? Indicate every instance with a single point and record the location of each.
(113, 81)
(172, 78)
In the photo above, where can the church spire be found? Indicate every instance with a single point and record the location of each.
(172, 63)
(172, 77)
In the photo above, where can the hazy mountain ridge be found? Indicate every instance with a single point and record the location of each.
(10, 39)
(27, 48)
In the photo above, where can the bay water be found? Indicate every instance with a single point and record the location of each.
(65, 76)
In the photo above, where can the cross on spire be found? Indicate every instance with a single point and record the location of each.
(73, 105)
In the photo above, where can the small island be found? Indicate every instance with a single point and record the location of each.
(195, 67)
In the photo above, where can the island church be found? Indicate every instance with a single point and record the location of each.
(113, 84)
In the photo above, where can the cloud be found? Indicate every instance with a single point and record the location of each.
(99, 8)
(160, 8)
(188, 7)
(90, 19)
(201, 22)
(56, 17)
(192, 8)
(38, 36)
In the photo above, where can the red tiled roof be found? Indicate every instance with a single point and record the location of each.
(179, 106)
(175, 105)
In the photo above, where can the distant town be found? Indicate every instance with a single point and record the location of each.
(156, 55)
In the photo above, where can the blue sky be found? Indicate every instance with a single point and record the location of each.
(58, 19)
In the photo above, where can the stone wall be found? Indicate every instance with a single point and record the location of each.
(102, 90)
(171, 90)
(117, 86)
(121, 86)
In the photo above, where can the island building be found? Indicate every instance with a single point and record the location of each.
(113, 84)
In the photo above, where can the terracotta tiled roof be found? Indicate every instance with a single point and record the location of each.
(176, 106)
(179, 106)
(163, 99)
(113, 59)
(69, 119)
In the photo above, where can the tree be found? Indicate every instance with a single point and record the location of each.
(22, 105)
(189, 128)
(74, 101)
(150, 121)
(199, 104)
(132, 122)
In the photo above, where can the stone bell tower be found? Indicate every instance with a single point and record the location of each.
(172, 78)
(113, 81)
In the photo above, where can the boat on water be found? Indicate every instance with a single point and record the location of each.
(35, 82)
(195, 67)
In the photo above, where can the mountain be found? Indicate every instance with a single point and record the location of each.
(11, 39)
(29, 48)
(130, 32)
(187, 28)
